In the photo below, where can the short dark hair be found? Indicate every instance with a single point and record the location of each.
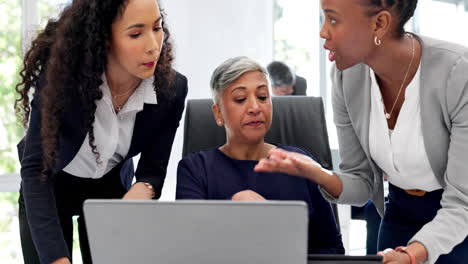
(404, 8)
(280, 74)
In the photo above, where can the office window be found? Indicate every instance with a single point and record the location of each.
(10, 61)
(295, 39)
(10, 131)
(49, 9)
(443, 19)
(10, 247)
(19, 25)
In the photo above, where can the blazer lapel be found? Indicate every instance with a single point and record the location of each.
(430, 92)
(145, 120)
(357, 90)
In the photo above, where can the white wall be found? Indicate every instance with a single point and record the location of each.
(205, 33)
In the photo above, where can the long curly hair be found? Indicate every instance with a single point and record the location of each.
(71, 54)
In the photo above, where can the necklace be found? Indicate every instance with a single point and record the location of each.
(387, 114)
(122, 94)
(118, 107)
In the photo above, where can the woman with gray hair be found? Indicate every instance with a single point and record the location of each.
(242, 104)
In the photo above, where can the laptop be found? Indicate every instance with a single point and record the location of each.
(198, 231)
(341, 259)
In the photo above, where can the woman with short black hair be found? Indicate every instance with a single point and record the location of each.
(400, 103)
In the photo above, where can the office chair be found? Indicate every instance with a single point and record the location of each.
(300, 87)
(297, 121)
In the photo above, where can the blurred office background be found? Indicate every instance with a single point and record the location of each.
(205, 33)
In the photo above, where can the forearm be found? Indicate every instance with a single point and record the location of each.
(327, 180)
(140, 191)
(43, 220)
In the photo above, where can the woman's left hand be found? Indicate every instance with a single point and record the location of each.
(139, 191)
(390, 256)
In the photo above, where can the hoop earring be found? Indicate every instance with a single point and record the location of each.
(377, 41)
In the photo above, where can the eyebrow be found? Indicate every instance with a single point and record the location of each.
(330, 11)
(245, 88)
(239, 88)
(142, 25)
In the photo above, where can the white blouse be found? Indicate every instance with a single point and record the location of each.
(112, 131)
(400, 152)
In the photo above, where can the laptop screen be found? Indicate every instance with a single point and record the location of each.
(196, 231)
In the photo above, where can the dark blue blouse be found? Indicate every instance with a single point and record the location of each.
(211, 174)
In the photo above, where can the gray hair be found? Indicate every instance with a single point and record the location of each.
(229, 71)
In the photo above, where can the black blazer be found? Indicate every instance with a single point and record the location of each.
(153, 135)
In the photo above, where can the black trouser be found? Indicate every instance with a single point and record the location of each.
(70, 193)
(406, 214)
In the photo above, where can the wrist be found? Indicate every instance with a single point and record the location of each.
(418, 250)
(149, 187)
(405, 250)
(330, 182)
(316, 173)
(62, 260)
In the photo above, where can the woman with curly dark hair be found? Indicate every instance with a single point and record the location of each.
(104, 91)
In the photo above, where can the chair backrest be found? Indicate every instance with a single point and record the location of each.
(300, 87)
(297, 121)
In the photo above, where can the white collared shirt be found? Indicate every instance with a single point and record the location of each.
(112, 131)
(400, 152)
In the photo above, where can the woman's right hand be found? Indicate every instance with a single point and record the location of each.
(297, 164)
(288, 162)
(247, 195)
(63, 260)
